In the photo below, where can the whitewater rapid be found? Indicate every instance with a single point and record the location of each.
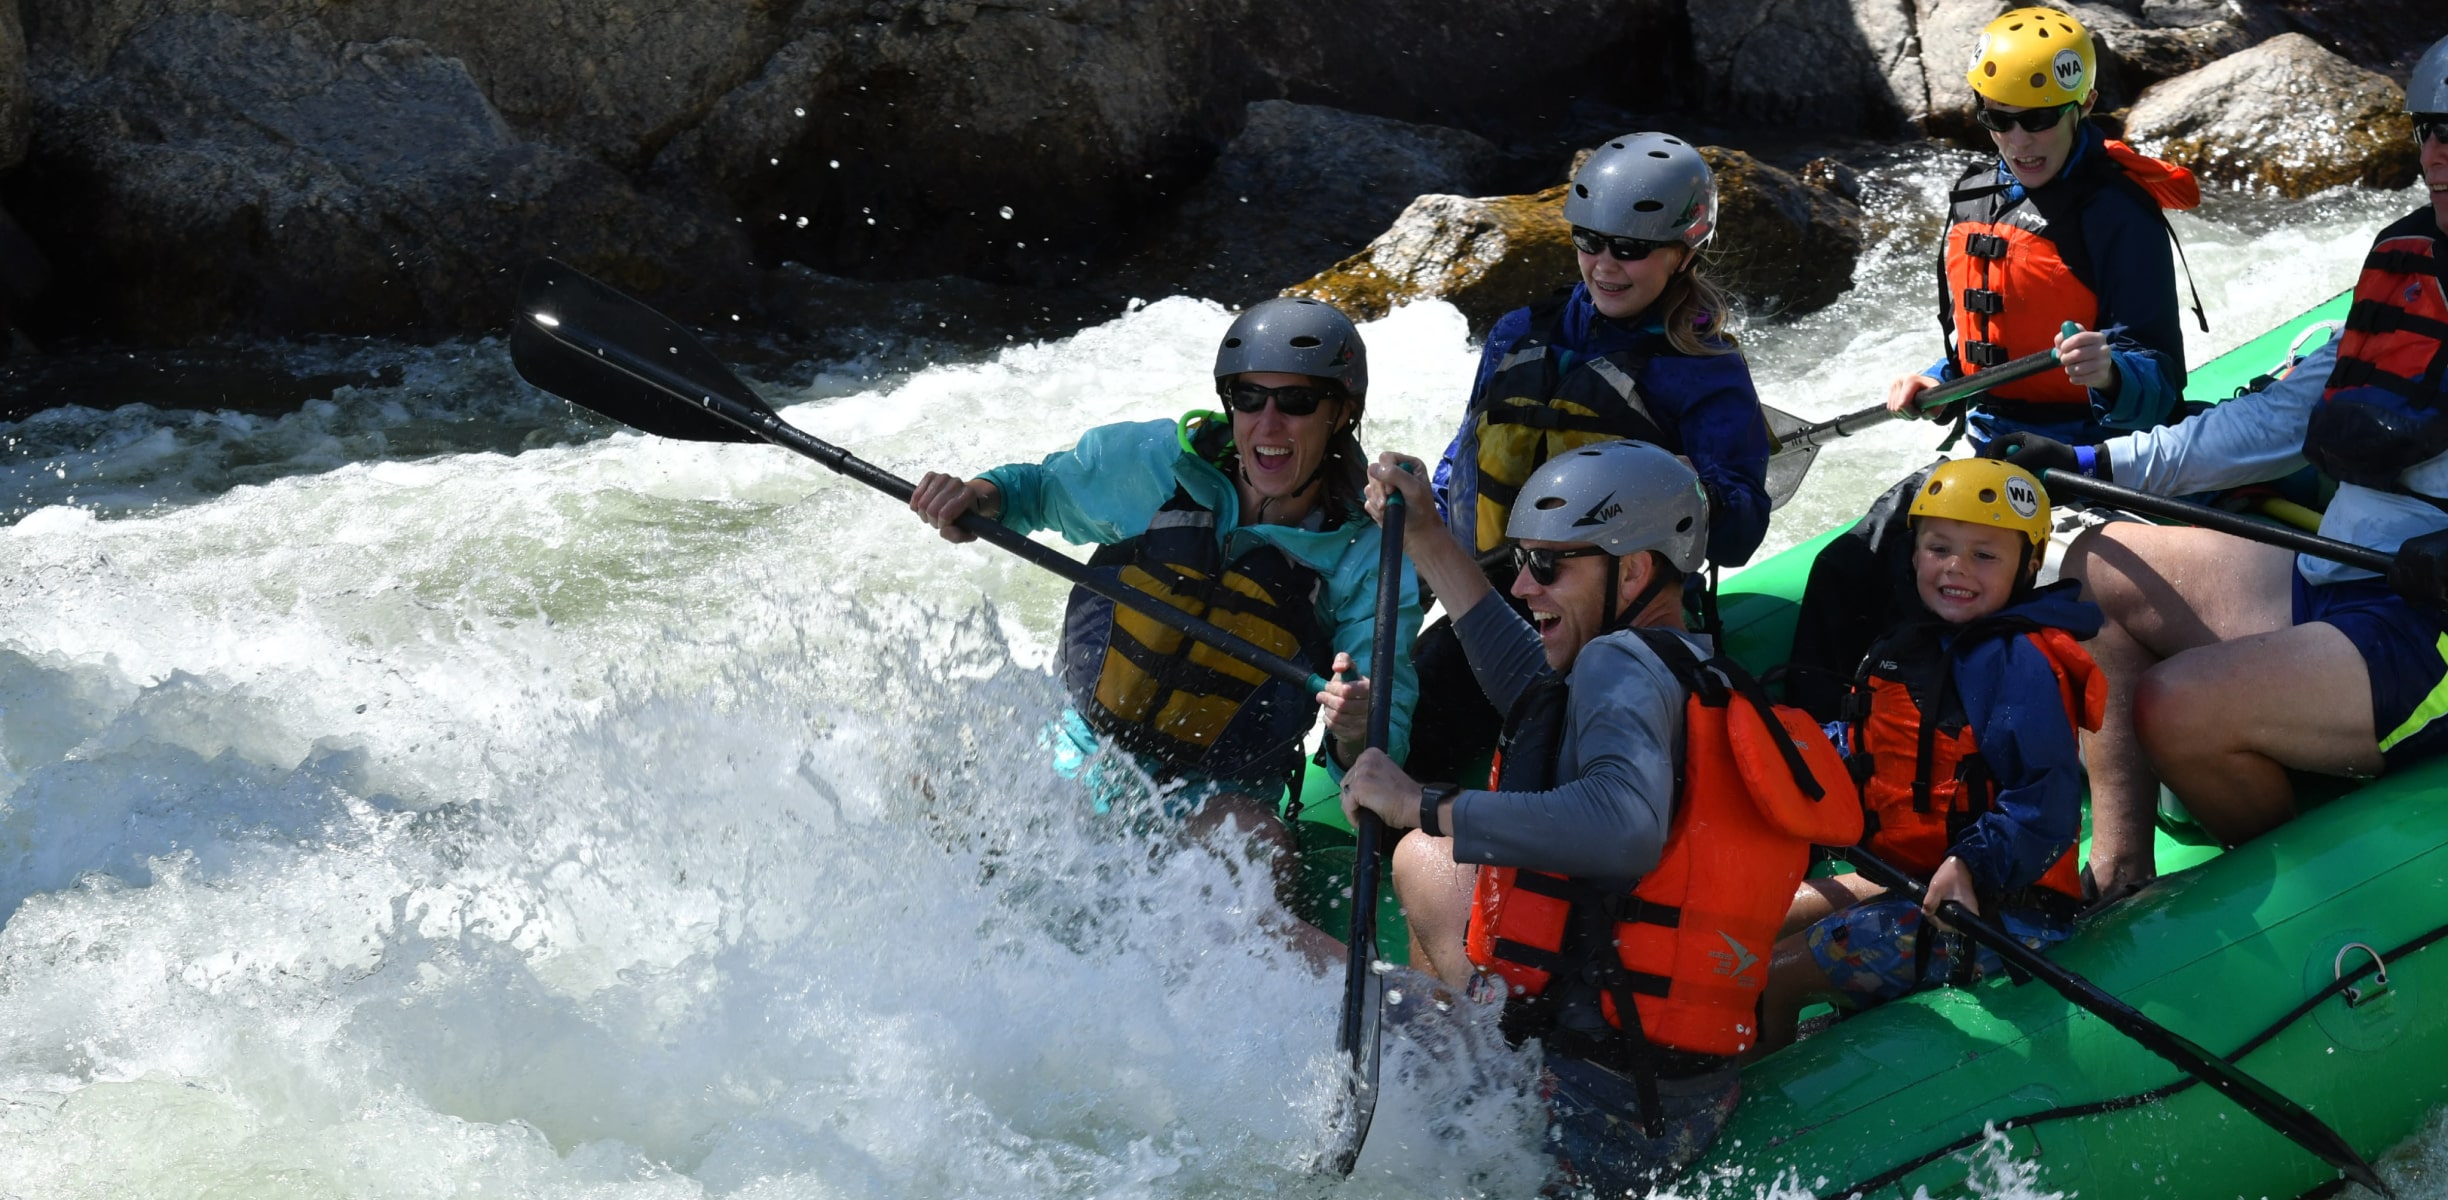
(437, 791)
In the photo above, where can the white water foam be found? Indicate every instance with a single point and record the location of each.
(632, 818)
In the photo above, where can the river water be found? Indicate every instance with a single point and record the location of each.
(436, 791)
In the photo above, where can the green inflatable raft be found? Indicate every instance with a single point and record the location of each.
(2300, 957)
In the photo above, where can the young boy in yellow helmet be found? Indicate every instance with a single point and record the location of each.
(2066, 225)
(1963, 726)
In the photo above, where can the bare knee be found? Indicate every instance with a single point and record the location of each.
(1435, 892)
(2163, 716)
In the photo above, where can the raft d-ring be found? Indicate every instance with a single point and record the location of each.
(2355, 996)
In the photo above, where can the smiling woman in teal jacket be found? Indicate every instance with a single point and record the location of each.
(1251, 521)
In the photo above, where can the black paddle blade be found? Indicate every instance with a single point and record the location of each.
(1788, 464)
(594, 346)
(1359, 1107)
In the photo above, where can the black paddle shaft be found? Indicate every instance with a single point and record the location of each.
(2283, 537)
(590, 344)
(2253, 1096)
(1946, 393)
(1361, 1009)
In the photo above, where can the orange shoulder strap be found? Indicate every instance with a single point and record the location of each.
(2172, 186)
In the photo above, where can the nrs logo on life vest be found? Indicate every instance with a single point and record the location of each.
(1600, 513)
(2022, 497)
(2068, 69)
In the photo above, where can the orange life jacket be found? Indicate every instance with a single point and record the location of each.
(1924, 781)
(2383, 408)
(2016, 272)
(1760, 785)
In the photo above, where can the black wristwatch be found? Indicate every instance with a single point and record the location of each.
(1432, 798)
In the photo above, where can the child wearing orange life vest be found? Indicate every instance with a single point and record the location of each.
(1964, 730)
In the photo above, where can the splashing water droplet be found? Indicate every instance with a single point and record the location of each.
(1007, 212)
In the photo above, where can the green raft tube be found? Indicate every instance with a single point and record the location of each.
(2303, 957)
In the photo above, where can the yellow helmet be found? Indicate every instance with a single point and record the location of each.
(1986, 491)
(2034, 58)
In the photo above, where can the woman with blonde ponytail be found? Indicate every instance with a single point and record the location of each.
(1643, 347)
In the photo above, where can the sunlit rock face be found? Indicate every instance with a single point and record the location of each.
(1782, 244)
(2286, 116)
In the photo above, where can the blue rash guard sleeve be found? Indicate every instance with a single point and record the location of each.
(2011, 699)
(1105, 488)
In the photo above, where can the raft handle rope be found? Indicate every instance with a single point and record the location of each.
(2343, 984)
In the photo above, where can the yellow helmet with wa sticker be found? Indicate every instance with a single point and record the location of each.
(1985, 491)
(2034, 58)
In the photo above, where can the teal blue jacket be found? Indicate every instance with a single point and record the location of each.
(1108, 487)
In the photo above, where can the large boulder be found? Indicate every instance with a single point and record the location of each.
(1848, 65)
(1783, 245)
(2385, 35)
(1485, 256)
(2287, 116)
(881, 139)
(1299, 190)
(1880, 66)
(225, 176)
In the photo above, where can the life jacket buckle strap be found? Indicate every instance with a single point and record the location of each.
(1984, 355)
(1983, 301)
(1985, 245)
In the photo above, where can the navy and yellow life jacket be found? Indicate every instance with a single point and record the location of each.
(1536, 410)
(2386, 406)
(1157, 692)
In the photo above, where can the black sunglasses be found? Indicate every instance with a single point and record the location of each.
(2433, 128)
(2030, 120)
(1541, 564)
(1590, 241)
(1292, 400)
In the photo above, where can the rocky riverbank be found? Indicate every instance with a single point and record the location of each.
(196, 170)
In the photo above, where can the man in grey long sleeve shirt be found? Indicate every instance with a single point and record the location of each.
(2162, 588)
(1604, 536)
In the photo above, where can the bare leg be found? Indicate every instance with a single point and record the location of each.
(1793, 978)
(1436, 894)
(1818, 898)
(2224, 722)
(2162, 590)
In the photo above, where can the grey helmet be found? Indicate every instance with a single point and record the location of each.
(2427, 87)
(1650, 186)
(1622, 497)
(1297, 336)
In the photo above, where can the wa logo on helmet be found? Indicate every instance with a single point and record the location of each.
(2068, 69)
(2022, 497)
